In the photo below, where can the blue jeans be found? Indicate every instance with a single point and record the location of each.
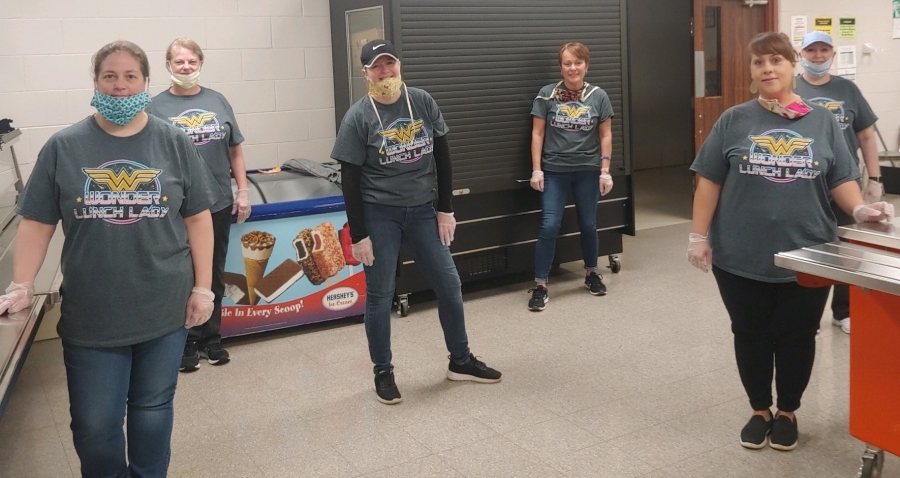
(585, 186)
(104, 384)
(414, 228)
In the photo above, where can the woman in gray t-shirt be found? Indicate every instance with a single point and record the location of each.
(857, 122)
(765, 178)
(571, 144)
(133, 197)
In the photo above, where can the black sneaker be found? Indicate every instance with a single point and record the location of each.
(784, 433)
(474, 371)
(755, 432)
(594, 283)
(215, 354)
(190, 360)
(539, 298)
(386, 388)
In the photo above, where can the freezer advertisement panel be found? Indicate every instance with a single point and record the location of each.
(290, 271)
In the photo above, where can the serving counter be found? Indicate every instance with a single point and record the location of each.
(869, 260)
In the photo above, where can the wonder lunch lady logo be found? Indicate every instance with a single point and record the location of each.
(404, 141)
(121, 192)
(837, 109)
(781, 156)
(573, 116)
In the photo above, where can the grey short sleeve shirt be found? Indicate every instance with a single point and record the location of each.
(776, 175)
(843, 98)
(126, 263)
(396, 153)
(208, 120)
(571, 139)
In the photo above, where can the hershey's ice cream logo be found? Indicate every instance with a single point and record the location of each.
(340, 298)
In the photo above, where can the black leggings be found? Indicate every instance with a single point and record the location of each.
(209, 332)
(774, 326)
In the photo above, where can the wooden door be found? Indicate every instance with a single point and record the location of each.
(722, 31)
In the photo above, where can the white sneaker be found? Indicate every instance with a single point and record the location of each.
(843, 323)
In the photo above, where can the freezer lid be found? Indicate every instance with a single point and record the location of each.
(285, 186)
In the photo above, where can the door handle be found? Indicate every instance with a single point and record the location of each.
(699, 74)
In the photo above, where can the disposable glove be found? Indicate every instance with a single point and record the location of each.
(606, 184)
(241, 205)
(446, 227)
(873, 192)
(18, 297)
(698, 252)
(199, 307)
(537, 181)
(875, 212)
(362, 251)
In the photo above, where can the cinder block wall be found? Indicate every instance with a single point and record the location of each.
(270, 58)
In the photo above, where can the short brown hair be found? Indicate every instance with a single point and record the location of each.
(773, 43)
(117, 46)
(578, 49)
(186, 43)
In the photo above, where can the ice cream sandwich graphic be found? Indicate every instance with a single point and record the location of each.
(236, 288)
(256, 247)
(304, 245)
(327, 250)
(279, 280)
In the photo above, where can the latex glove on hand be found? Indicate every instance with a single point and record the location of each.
(199, 307)
(873, 192)
(698, 252)
(537, 181)
(875, 212)
(18, 297)
(446, 227)
(606, 184)
(362, 251)
(241, 205)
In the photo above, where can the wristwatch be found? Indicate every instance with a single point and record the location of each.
(877, 179)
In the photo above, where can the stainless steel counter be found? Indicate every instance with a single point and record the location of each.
(855, 264)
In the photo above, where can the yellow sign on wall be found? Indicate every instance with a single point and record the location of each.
(824, 24)
(847, 27)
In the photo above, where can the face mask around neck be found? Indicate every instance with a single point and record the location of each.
(185, 81)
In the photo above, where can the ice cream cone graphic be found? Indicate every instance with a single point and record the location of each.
(256, 247)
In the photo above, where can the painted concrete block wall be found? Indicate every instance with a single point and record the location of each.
(878, 74)
(270, 58)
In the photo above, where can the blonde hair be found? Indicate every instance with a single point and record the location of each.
(186, 43)
(115, 47)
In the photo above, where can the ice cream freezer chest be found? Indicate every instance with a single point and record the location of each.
(869, 260)
(290, 263)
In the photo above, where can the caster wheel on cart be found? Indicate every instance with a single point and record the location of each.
(615, 265)
(403, 306)
(872, 463)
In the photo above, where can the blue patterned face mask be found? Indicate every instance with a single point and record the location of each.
(120, 110)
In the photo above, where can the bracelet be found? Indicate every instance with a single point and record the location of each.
(877, 179)
(248, 190)
(604, 170)
(604, 157)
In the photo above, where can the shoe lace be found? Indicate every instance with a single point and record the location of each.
(537, 292)
(214, 347)
(595, 278)
(386, 379)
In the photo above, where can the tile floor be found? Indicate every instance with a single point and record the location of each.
(639, 383)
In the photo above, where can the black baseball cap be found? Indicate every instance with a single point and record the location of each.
(376, 49)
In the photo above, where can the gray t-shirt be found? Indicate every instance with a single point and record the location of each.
(397, 159)
(571, 139)
(208, 120)
(126, 262)
(776, 175)
(843, 98)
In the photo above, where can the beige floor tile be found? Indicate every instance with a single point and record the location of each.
(448, 432)
(497, 457)
(428, 467)
(317, 463)
(28, 409)
(662, 445)
(36, 453)
(552, 438)
(601, 461)
(224, 459)
(506, 415)
(613, 419)
(381, 450)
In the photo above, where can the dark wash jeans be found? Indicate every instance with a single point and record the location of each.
(585, 187)
(774, 326)
(108, 383)
(415, 228)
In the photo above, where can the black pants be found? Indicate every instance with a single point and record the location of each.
(209, 331)
(840, 301)
(774, 326)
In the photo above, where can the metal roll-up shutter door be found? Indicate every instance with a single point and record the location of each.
(485, 60)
